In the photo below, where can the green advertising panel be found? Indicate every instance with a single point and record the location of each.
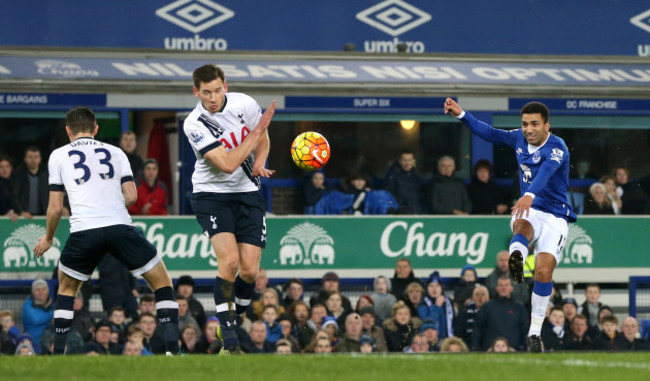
(351, 243)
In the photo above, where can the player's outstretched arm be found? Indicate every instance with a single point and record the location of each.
(229, 161)
(261, 154)
(54, 213)
(482, 129)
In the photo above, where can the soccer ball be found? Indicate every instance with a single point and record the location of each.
(310, 151)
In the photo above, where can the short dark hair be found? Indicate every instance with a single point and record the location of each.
(32, 149)
(7, 159)
(536, 108)
(294, 280)
(81, 119)
(143, 314)
(207, 73)
(147, 298)
(116, 308)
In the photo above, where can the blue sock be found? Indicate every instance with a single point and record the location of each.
(63, 314)
(167, 314)
(543, 288)
(243, 295)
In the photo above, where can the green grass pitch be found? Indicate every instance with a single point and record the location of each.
(431, 367)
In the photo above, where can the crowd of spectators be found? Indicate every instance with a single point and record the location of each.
(402, 314)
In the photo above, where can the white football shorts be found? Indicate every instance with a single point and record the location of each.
(549, 232)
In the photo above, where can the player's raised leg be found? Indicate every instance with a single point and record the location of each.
(64, 311)
(225, 247)
(249, 265)
(523, 234)
(166, 306)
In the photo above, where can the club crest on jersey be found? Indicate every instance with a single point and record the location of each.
(557, 155)
(196, 136)
(240, 115)
(519, 151)
(536, 157)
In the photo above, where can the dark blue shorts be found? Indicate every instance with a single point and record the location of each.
(84, 249)
(239, 213)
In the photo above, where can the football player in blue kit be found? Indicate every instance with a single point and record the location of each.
(228, 134)
(542, 214)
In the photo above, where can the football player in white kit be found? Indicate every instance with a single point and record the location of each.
(228, 133)
(542, 215)
(98, 179)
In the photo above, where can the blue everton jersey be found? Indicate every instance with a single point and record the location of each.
(543, 171)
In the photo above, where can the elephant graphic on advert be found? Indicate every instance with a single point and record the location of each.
(290, 254)
(582, 253)
(50, 257)
(17, 254)
(323, 253)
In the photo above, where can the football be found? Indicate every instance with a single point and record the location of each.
(310, 151)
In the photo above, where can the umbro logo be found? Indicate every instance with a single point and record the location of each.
(393, 17)
(642, 20)
(195, 15)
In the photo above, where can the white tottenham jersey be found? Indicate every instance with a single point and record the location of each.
(92, 173)
(228, 127)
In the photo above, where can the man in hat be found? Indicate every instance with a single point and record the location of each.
(102, 344)
(429, 329)
(152, 194)
(185, 288)
(570, 308)
(38, 311)
(330, 282)
(369, 327)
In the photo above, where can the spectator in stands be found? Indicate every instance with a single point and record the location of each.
(403, 277)
(382, 299)
(501, 345)
(465, 286)
(210, 335)
(184, 315)
(38, 311)
(190, 342)
(117, 286)
(570, 308)
(453, 344)
(283, 347)
(261, 284)
(579, 340)
(404, 184)
(258, 337)
(102, 344)
(318, 313)
(486, 196)
(314, 190)
(554, 330)
(447, 193)
(299, 312)
(25, 348)
(435, 296)
(612, 193)
(521, 292)
(370, 328)
(630, 329)
(363, 301)
(330, 282)
(501, 316)
(413, 298)
(152, 194)
(366, 344)
(592, 304)
(9, 332)
(286, 326)
(400, 328)
(597, 202)
(556, 294)
(30, 186)
(430, 330)
(273, 329)
(117, 318)
(269, 297)
(428, 309)
(351, 334)
(147, 304)
(357, 184)
(135, 335)
(132, 348)
(334, 304)
(152, 342)
(635, 200)
(7, 207)
(294, 292)
(464, 323)
(322, 345)
(419, 344)
(185, 288)
(332, 328)
(610, 338)
(128, 143)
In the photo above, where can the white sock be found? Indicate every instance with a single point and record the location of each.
(519, 246)
(538, 313)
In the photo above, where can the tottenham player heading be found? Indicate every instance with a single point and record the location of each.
(542, 213)
(99, 182)
(228, 133)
